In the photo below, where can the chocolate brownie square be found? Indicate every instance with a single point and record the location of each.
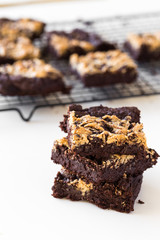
(99, 111)
(100, 131)
(30, 77)
(119, 196)
(17, 48)
(62, 44)
(21, 27)
(144, 46)
(104, 68)
(109, 169)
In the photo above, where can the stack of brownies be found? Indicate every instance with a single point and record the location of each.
(103, 157)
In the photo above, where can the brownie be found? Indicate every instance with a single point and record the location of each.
(104, 68)
(108, 169)
(17, 48)
(105, 131)
(119, 196)
(30, 77)
(21, 27)
(62, 44)
(144, 47)
(100, 111)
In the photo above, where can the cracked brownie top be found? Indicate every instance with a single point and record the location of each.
(110, 129)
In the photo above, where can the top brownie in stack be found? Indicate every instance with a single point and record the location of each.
(63, 44)
(100, 131)
(22, 27)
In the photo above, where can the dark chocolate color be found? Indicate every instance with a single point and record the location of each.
(108, 78)
(93, 38)
(143, 53)
(119, 196)
(96, 147)
(95, 171)
(20, 86)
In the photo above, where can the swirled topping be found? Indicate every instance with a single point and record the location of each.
(21, 27)
(151, 41)
(18, 48)
(63, 44)
(110, 129)
(101, 62)
(30, 68)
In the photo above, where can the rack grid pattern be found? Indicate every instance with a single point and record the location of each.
(114, 29)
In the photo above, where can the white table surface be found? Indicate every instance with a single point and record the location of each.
(27, 209)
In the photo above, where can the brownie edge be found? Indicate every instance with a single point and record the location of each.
(30, 77)
(98, 135)
(99, 111)
(104, 68)
(143, 47)
(119, 196)
(109, 169)
(63, 44)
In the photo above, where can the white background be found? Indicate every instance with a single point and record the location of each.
(27, 209)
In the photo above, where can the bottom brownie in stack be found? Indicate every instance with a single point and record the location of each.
(118, 196)
(111, 176)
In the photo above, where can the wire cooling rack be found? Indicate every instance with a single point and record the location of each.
(111, 28)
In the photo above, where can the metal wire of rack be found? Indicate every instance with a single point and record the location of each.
(114, 29)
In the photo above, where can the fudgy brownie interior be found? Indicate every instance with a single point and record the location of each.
(119, 196)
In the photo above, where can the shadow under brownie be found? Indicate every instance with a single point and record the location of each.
(119, 196)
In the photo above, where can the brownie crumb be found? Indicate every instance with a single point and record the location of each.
(140, 202)
(88, 23)
(153, 71)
